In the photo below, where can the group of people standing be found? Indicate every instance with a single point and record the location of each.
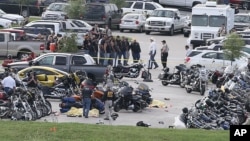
(114, 50)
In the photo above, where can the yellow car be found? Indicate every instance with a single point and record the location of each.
(45, 75)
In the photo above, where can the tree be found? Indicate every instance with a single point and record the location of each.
(68, 43)
(233, 46)
(119, 3)
(76, 9)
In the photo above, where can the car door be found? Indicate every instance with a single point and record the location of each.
(77, 62)
(210, 60)
(61, 63)
(138, 7)
(45, 76)
(223, 60)
(47, 60)
(115, 14)
(3, 46)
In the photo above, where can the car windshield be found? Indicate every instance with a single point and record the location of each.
(216, 21)
(199, 20)
(57, 7)
(95, 8)
(246, 49)
(194, 53)
(163, 13)
(241, 19)
(131, 17)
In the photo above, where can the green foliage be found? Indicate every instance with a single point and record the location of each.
(76, 9)
(47, 131)
(119, 3)
(68, 43)
(233, 46)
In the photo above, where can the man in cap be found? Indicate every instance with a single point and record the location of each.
(108, 99)
(164, 54)
(152, 53)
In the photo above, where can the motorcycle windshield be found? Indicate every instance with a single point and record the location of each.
(126, 90)
(143, 87)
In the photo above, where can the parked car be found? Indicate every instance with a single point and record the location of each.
(19, 49)
(212, 59)
(4, 23)
(45, 75)
(244, 4)
(55, 11)
(31, 8)
(55, 26)
(133, 21)
(18, 19)
(103, 14)
(66, 62)
(182, 3)
(140, 7)
(165, 20)
(241, 21)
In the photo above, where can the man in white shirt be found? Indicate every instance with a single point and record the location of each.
(9, 84)
(188, 50)
(152, 53)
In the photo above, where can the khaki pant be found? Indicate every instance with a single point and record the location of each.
(108, 108)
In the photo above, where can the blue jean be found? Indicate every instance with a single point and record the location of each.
(101, 58)
(7, 90)
(107, 57)
(136, 57)
(124, 57)
(113, 55)
(152, 59)
(86, 106)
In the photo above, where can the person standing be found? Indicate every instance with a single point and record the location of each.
(222, 31)
(93, 50)
(164, 54)
(136, 50)
(108, 99)
(86, 100)
(188, 50)
(9, 84)
(152, 53)
(108, 31)
(107, 50)
(101, 43)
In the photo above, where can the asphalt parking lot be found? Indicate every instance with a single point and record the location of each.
(156, 117)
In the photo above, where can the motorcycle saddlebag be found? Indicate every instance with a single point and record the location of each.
(144, 74)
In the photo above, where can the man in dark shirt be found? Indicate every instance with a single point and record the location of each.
(86, 97)
(136, 50)
(108, 99)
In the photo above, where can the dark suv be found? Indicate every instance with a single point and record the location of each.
(103, 14)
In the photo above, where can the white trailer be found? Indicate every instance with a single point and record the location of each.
(206, 21)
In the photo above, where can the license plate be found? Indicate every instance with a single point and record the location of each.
(128, 23)
(156, 29)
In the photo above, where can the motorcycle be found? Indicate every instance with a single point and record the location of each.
(176, 78)
(132, 71)
(197, 81)
(144, 91)
(128, 101)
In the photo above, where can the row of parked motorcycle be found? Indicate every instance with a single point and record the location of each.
(227, 103)
(24, 103)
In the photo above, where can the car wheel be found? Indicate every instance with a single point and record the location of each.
(140, 29)
(147, 32)
(186, 34)
(130, 30)
(22, 54)
(121, 30)
(171, 31)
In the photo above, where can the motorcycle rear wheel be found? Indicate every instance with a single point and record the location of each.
(118, 76)
(117, 107)
(137, 107)
(188, 90)
(164, 83)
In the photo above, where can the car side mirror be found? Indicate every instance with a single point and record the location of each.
(36, 63)
(30, 63)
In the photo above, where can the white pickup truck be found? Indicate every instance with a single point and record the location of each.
(182, 3)
(165, 20)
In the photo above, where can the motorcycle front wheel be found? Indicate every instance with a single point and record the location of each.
(203, 89)
(188, 90)
(137, 107)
